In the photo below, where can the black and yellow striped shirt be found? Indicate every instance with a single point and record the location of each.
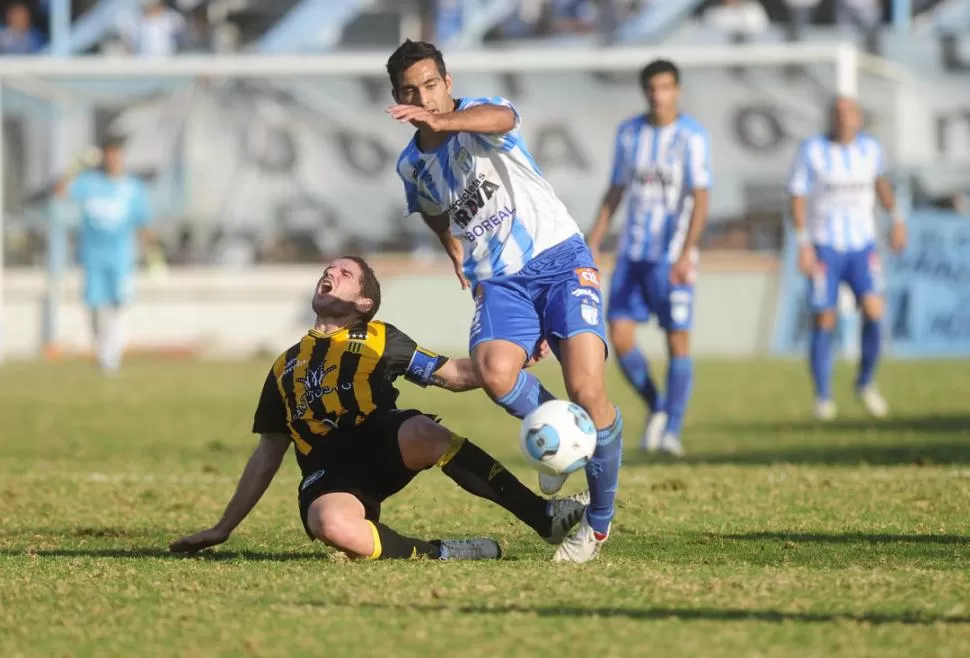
(334, 381)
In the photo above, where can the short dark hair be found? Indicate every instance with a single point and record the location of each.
(410, 53)
(112, 142)
(658, 67)
(370, 287)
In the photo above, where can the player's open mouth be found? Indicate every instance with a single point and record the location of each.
(326, 286)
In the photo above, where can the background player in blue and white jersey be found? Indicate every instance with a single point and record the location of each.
(834, 183)
(469, 174)
(114, 211)
(662, 163)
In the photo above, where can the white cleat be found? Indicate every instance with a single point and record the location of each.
(566, 513)
(653, 435)
(582, 547)
(470, 549)
(873, 401)
(551, 484)
(670, 444)
(824, 409)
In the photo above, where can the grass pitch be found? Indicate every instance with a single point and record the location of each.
(775, 537)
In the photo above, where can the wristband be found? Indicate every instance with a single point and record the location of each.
(898, 218)
(801, 235)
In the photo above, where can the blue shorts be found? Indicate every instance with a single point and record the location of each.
(555, 296)
(106, 285)
(639, 289)
(860, 270)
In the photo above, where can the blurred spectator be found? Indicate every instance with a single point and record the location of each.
(18, 37)
(862, 15)
(573, 16)
(741, 19)
(522, 24)
(157, 31)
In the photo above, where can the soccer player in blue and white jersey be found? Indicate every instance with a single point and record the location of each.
(470, 175)
(662, 162)
(834, 183)
(114, 211)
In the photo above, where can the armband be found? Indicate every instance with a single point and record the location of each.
(422, 366)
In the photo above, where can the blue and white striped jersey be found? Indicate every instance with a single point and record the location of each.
(660, 167)
(494, 194)
(839, 183)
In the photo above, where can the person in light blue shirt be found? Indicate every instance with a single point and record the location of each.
(662, 164)
(114, 213)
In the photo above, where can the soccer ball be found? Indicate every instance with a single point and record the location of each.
(558, 437)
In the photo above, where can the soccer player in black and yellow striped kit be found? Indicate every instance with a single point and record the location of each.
(332, 396)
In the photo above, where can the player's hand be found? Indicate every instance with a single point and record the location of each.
(199, 541)
(416, 116)
(806, 259)
(461, 277)
(682, 271)
(898, 237)
(542, 351)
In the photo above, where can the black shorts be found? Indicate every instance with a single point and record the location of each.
(364, 462)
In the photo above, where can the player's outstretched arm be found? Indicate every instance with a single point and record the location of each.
(484, 119)
(256, 477)
(459, 375)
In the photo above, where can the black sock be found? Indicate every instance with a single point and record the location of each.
(478, 473)
(389, 545)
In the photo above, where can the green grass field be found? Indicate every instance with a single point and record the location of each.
(774, 538)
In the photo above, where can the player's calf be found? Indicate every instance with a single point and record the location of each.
(425, 443)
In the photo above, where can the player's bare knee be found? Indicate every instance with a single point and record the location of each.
(825, 320)
(498, 373)
(330, 526)
(422, 442)
(873, 308)
(678, 343)
(590, 394)
(621, 337)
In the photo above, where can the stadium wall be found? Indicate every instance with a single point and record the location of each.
(240, 313)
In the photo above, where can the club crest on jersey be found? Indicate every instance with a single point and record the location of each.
(463, 160)
(590, 313)
(588, 277)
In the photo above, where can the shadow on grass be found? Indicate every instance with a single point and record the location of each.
(685, 614)
(844, 538)
(141, 553)
(941, 440)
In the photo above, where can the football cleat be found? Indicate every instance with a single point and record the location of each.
(653, 434)
(566, 513)
(551, 484)
(582, 547)
(873, 401)
(670, 444)
(824, 409)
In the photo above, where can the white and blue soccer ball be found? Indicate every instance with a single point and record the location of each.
(558, 437)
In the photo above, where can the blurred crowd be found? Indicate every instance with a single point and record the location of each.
(164, 27)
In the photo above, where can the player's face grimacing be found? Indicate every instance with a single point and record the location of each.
(662, 92)
(846, 119)
(423, 86)
(338, 291)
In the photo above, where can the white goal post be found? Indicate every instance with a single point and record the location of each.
(45, 77)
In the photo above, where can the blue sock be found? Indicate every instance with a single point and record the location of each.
(603, 474)
(527, 394)
(820, 357)
(637, 371)
(871, 343)
(680, 381)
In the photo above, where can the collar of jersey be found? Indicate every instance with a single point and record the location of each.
(320, 334)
